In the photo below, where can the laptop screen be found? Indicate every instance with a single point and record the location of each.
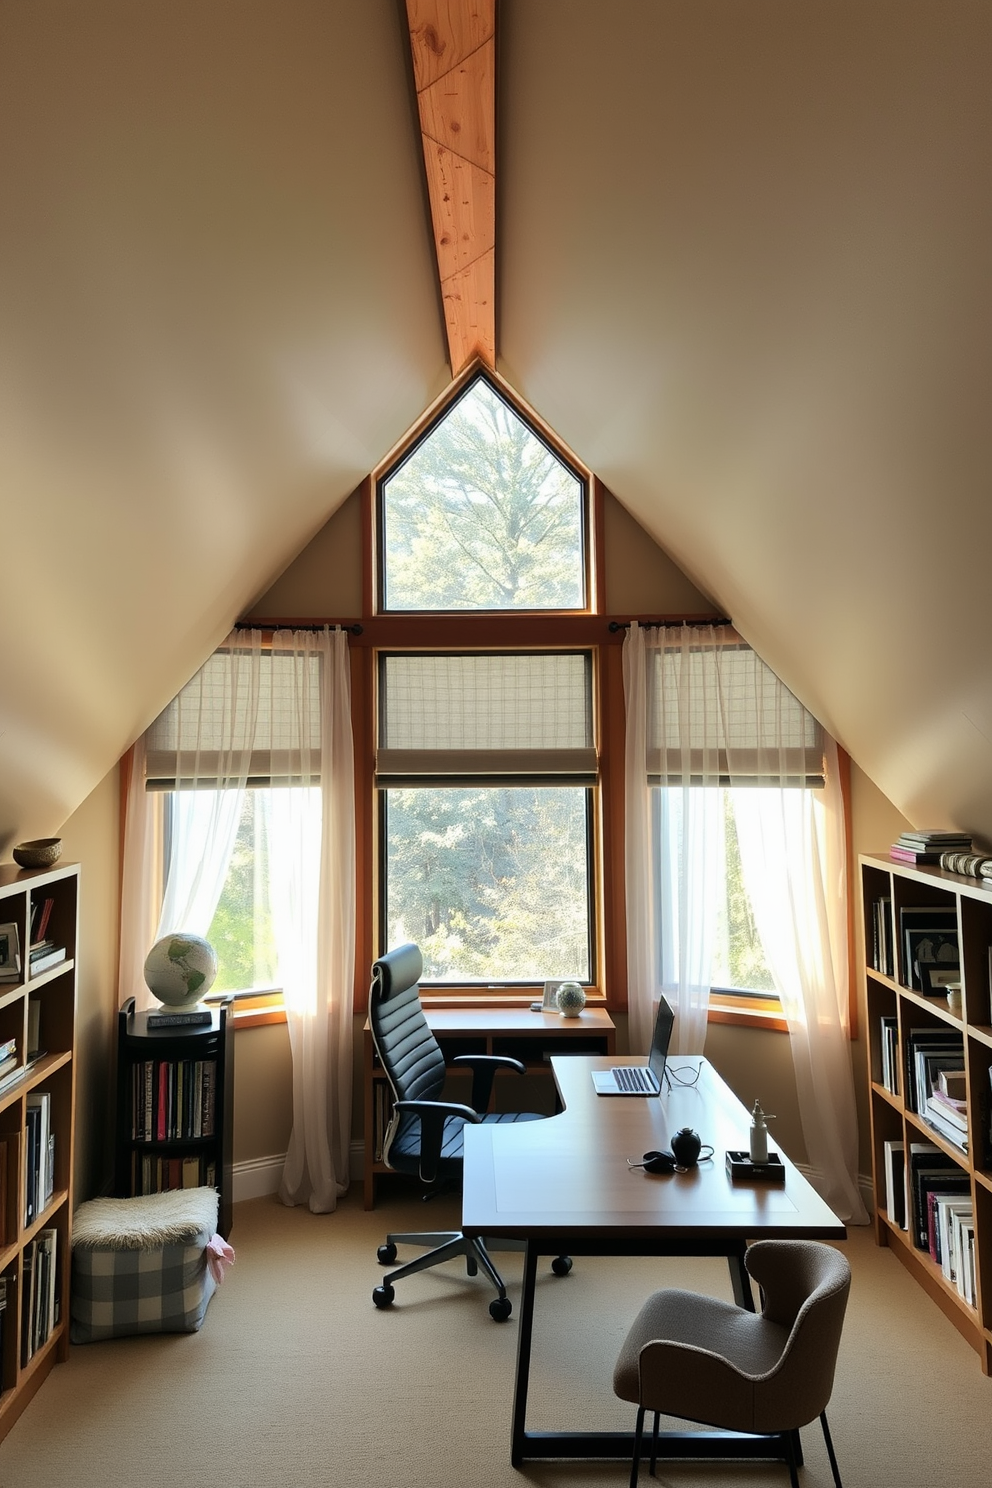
(661, 1039)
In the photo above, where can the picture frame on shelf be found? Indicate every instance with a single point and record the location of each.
(928, 944)
(10, 952)
(940, 977)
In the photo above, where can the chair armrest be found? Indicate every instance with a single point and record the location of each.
(433, 1115)
(484, 1067)
(681, 1379)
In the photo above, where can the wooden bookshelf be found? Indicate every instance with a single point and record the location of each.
(914, 1016)
(39, 1013)
(529, 1036)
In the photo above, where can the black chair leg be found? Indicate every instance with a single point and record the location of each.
(789, 1452)
(638, 1433)
(654, 1445)
(830, 1449)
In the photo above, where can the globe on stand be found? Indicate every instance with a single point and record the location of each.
(571, 999)
(180, 969)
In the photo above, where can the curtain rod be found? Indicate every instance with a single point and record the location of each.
(616, 625)
(355, 629)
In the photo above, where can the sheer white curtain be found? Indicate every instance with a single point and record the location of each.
(141, 880)
(312, 885)
(276, 719)
(707, 719)
(794, 857)
(673, 838)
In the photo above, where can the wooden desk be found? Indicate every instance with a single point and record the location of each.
(563, 1186)
(517, 1031)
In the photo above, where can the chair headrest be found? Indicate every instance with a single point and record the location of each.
(398, 970)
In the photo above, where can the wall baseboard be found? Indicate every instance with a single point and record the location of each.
(262, 1175)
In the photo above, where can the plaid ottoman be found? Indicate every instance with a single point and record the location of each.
(139, 1265)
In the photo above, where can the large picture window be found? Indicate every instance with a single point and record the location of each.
(486, 764)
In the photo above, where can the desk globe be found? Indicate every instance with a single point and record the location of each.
(180, 968)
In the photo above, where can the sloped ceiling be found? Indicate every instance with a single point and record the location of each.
(742, 268)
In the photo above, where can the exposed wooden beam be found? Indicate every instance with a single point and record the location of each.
(453, 43)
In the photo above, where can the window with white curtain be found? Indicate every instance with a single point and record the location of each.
(217, 758)
(722, 733)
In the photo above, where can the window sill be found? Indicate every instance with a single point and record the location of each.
(742, 1014)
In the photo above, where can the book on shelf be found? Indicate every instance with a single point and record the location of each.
(945, 1207)
(912, 855)
(895, 1182)
(889, 1047)
(881, 936)
(927, 837)
(930, 1168)
(45, 958)
(927, 1051)
(963, 1253)
(39, 1164)
(41, 913)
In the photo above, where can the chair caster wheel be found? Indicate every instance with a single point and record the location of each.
(500, 1309)
(383, 1295)
(386, 1254)
(561, 1265)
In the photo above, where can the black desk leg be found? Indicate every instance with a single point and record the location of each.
(525, 1333)
(740, 1279)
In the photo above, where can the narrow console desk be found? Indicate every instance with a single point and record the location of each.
(563, 1186)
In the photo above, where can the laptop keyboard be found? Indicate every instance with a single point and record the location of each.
(633, 1077)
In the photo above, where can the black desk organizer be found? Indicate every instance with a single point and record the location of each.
(739, 1165)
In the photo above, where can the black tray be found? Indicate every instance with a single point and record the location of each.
(739, 1165)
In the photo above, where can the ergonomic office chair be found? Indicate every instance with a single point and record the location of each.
(424, 1135)
(767, 1373)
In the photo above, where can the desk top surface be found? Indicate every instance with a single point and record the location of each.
(569, 1172)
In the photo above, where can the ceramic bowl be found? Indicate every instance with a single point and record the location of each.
(42, 852)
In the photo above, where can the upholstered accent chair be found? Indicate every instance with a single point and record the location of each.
(767, 1373)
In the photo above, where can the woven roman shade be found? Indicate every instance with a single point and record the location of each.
(240, 716)
(718, 715)
(516, 717)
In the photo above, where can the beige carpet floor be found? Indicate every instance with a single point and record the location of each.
(295, 1378)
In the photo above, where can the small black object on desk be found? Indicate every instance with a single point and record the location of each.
(739, 1165)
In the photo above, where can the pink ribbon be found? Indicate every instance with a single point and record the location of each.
(219, 1256)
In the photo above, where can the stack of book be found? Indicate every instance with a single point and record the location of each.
(45, 955)
(927, 846)
(946, 1112)
(929, 1051)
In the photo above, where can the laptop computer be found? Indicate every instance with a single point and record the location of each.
(641, 1079)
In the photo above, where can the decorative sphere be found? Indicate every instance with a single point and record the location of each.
(180, 968)
(571, 999)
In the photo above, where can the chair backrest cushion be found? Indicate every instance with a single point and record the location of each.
(407, 1049)
(805, 1286)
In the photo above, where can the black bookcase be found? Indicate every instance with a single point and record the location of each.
(175, 1104)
